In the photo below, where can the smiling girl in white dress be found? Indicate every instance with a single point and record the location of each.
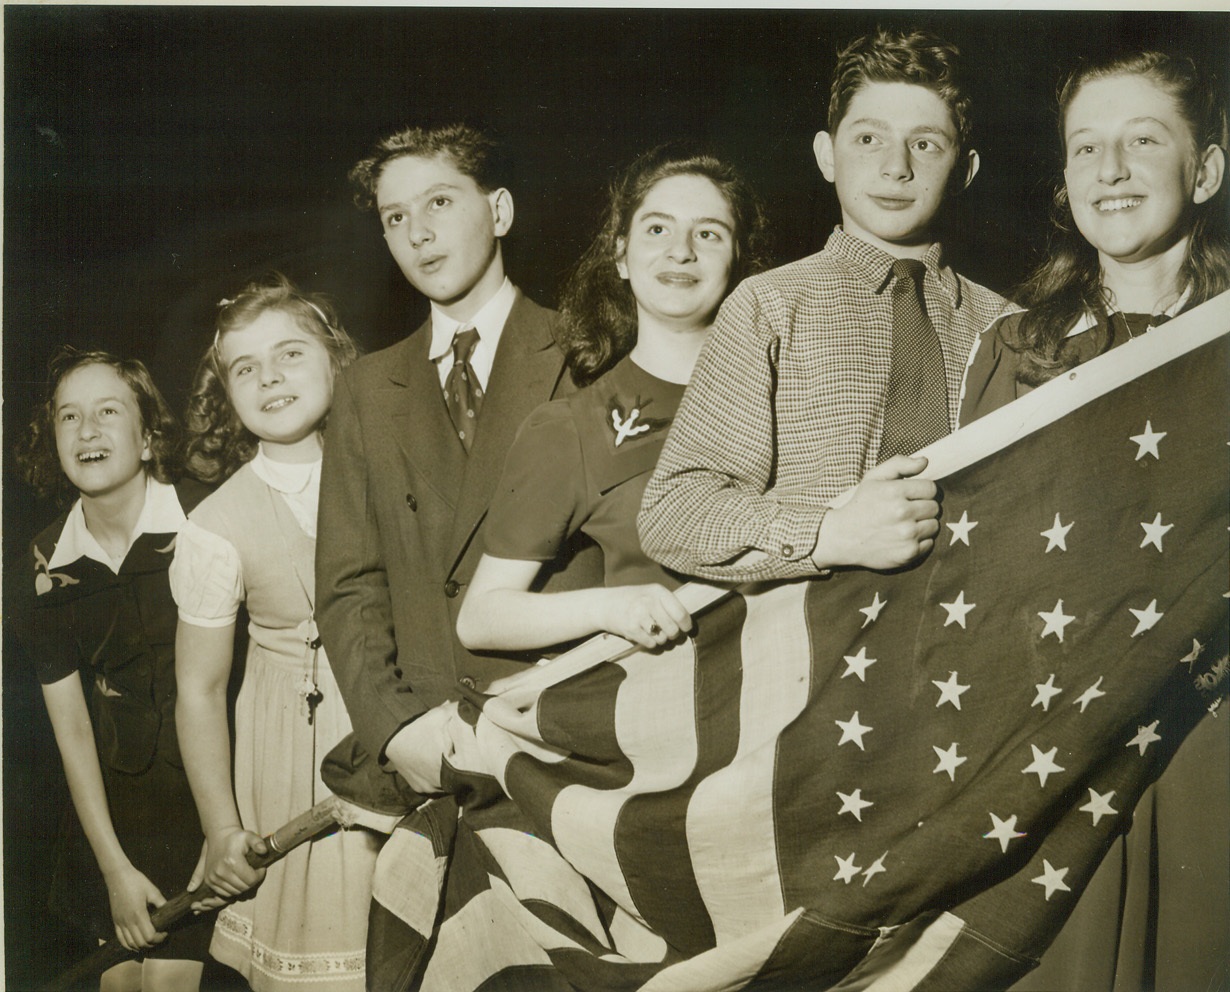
(263, 391)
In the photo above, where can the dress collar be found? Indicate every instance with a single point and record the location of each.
(286, 477)
(1088, 319)
(161, 514)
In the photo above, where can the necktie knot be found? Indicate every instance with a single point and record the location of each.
(909, 272)
(464, 343)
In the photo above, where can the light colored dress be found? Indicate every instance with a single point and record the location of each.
(253, 542)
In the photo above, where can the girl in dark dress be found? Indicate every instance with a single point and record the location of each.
(102, 633)
(680, 231)
(1141, 238)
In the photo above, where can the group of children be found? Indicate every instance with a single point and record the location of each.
(464, 481)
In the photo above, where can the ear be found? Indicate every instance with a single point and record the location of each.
(1209, 176)
(147, 450)
(822, 147)
(501, 211)
(972, 161)
(621, 257)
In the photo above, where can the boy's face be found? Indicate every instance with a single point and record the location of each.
(891, 160)
(442, 230)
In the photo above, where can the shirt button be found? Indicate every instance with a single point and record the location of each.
(787, 550)
(396, 673)
(411, 501)
(451, 589)
(468, 681)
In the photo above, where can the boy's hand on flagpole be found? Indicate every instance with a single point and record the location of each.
(890, 520)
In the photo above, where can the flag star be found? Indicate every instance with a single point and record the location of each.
(1042, 765)
(949, 760)
(1144, 737)
(1147, 442)
(1056, 620)
(1155, 531)
(1147, 618)
(854, 804)
(1052, 879)
(960, 530)
(1099, 805)
(1057, 535)
(874, 868)
(1046, 692)
(1003, 831)
(857, 664)
(846, 868)
(1089, 695)
(872, 612)
(852, 730)
(957, 610)
(1191, 656)
(950, 690)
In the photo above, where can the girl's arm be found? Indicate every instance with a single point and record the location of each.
(500, 613)
(130, 892)
(202, 671)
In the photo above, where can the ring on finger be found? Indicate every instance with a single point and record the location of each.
(654, 629)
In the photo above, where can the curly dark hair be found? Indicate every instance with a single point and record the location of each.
(598, 324)
(36, 452)
(887, 56)
(218, 443)
(472, 152)
(1068, 283)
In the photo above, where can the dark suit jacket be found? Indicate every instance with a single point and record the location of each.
(401, 513)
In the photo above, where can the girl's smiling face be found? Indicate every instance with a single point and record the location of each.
(100, 439)
(678, 252)
(280, 381)
(1131, 168)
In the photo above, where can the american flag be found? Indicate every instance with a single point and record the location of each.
(869, 781)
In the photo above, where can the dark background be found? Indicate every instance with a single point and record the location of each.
(155, 158)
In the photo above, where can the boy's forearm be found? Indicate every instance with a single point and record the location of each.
(705, 526)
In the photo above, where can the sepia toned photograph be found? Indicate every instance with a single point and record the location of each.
(602, 498)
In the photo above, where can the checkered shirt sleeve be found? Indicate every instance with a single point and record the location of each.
(785, 410)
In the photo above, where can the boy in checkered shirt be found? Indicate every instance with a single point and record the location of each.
(786, 408)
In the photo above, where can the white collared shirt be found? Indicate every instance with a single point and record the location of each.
(161, 514)
(298, 483)
(489, 322)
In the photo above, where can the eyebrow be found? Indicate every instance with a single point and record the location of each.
(917, 129)
(425, 195)
(100, 399)
(1145, 119)
(248, 358)
(660, 215)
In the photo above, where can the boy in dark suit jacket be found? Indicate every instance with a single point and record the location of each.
(416, 442)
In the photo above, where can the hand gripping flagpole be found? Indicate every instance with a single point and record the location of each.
(326, 813)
